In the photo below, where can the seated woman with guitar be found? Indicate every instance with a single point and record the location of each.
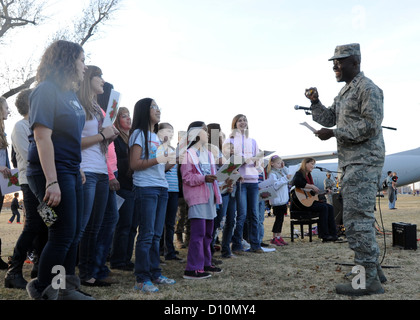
(305, 197)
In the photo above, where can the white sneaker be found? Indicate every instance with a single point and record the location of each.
(245, 244)
(164, 280)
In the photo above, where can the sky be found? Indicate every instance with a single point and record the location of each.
(210, 60)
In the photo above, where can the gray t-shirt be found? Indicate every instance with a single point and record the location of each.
(155, 175)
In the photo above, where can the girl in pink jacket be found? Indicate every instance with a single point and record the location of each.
(202, 194)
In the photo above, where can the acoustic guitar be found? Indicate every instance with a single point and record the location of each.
(306, 197)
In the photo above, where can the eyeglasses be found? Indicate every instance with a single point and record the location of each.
(155, 107)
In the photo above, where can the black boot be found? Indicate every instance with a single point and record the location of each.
(15, 280)
(14, 277)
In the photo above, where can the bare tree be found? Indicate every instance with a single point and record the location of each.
(20, 13)
(95, 15)
(98, 12)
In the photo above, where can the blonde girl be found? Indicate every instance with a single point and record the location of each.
(277, 172)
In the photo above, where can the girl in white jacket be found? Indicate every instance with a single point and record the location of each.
(277, 172)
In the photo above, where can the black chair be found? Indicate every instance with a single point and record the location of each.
(301, 217)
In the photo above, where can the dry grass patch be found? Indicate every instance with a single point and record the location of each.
(299, 271)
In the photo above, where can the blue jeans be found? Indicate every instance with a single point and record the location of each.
(151, 207)
(247, 201)
(391, 198)
(171, 210)
(105, 236)
(64, 234)
(95, 193)
(125, 231)
(261, 216)
(15, 213)
(229, 210)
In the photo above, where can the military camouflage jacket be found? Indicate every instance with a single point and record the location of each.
(357, 112)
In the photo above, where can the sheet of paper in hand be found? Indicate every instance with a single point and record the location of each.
(309, 127)
(10, 185)
(112, 108)
(266, 190)
(230, 169)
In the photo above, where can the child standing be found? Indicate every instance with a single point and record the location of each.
(14, 207)
(165, 134)
(276, 172)
(201, 192)
(151, 193)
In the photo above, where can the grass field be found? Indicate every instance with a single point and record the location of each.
(299, 271)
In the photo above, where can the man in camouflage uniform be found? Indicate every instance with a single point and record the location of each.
(357, 113)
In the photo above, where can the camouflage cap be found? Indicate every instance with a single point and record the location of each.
(346, 50)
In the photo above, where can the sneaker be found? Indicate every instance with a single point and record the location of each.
(212, 269)
(283, 242)
(196, 274)
(245, 244)
(146, 286)
(164, 280)
(278, 242)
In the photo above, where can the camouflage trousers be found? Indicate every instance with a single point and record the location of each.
(359, 186)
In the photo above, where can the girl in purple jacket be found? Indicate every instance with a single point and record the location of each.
(201, 192)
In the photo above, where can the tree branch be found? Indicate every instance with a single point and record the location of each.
(16, 90)
(97, 12)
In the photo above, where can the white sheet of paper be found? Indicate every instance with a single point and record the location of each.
(7, 186)
(120, 201)
(112, 108)
(267, 193)
(308, 126)
(266, 190)
(222, 174)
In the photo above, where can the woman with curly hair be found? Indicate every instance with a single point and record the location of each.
(56, 120)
